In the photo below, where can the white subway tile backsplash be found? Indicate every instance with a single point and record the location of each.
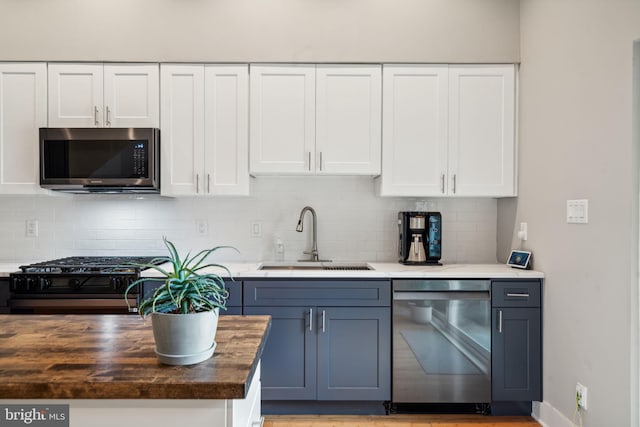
(353, 223)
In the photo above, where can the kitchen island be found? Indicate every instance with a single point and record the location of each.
(106, 369)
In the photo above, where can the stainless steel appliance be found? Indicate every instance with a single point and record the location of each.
(76, 285)
(441, 341)
(419, 237)
(95, 160)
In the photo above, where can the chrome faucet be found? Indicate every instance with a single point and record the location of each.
(314, 247)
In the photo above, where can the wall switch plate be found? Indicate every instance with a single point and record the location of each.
(31, 228)
(256, 229)
(578, 211)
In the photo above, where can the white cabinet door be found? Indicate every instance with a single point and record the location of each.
(481, 130)
(205, 130)
(348, 119)
(23, 101)
(415, 120)
(97, 95)
(131, 95)
(75, 95)
(182, 137)
(226, 150)
(282, 116)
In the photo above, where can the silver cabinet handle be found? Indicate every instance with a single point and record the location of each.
(321, 161)
(517, 295)
(323, 321)
(197, 183)
(258, 423)
(454, 183)
(500, 321)
(96, 121)
(311, 319)
(208, 183)
(309, 155)
(108, 116)
(442, 183)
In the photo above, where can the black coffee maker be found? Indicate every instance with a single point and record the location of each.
(420, 238)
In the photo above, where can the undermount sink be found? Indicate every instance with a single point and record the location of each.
(314, 266)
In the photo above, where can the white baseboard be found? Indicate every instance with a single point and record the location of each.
(549, 416)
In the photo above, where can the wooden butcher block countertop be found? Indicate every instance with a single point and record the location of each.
(113, 357)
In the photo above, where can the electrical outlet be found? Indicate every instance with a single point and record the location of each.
(202, 227)
(31, 228)
(581, 396)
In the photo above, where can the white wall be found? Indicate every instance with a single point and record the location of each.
(260, 30)
(576, 142)
(353, 223)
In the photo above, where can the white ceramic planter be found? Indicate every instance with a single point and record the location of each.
(185, 339)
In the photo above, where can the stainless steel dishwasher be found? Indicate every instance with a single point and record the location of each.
(441, 341)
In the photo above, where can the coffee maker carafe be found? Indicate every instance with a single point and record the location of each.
(419, 237)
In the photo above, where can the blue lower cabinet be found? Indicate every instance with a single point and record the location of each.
(516, 341)
(330, 340)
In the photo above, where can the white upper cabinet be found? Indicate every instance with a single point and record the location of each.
(282, 115)
(204, 130)
(448, 130)
(482, 130)
(308, 119)
(415, 117)
(103, 95)
(348, 119)
(23, 102)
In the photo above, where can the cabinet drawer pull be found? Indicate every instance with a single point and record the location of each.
(208, 183)
(321, 161)
(323, 321)
(311, 319)
(500, 321)
(517, 295)
(309, 162)
(454, 183)
(96, 121)
(197, 183)
(442, 183)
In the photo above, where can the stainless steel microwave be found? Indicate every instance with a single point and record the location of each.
(100, 160)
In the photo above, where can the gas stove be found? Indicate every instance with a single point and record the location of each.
(79, 275)
(76, 284)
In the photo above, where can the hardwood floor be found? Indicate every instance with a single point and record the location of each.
(397, 420)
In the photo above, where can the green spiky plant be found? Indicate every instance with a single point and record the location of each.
(183, 290)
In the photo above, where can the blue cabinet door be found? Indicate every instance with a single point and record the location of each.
(516, 360)
(289, 357)
(354, 353)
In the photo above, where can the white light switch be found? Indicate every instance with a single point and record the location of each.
(578, 211)
(256, 229)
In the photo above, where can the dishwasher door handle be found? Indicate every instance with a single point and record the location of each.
(448, 295)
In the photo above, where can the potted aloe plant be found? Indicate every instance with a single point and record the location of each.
(184, 308)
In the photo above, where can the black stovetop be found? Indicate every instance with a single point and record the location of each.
(91, 264)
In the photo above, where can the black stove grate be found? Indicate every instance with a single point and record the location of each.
(91, 264)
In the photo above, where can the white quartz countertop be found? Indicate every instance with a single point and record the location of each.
(384, 270)
(389, 270)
